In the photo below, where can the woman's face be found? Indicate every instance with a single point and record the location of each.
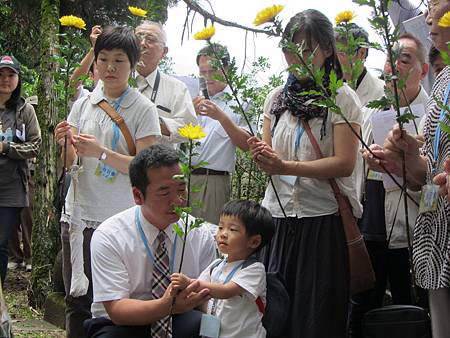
(319, 55)
(439, 35)
(113, 68)
(8, 81)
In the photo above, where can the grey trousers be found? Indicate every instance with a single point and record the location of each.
(440, 312)
(78, 309)
(214, 192)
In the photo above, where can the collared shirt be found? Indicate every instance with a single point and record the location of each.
(217, 148)
(304, 196)
(97, 199)
(370, 88)
(173, 102)
(121, 267)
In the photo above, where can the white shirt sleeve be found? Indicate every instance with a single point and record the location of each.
(252, 279)
(350, 106)
(110, 279)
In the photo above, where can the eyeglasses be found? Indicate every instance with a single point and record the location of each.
(148, 39)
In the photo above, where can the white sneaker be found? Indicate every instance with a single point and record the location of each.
(28, 268)
(13, 265)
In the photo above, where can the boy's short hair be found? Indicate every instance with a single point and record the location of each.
(256, 219)
(121, 38)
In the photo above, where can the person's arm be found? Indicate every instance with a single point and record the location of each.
(30, 147)
(443, 180)
(342, 162)
(144, 312)
(237, 135)
(86, 63)
(87, 145)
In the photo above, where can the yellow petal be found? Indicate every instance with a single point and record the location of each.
(205, 34)
(137, 11)
(444, 21)
(267, 14)
(72, 21)
(345, 16)
(192, 132)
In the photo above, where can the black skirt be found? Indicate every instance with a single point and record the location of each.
(311, 254)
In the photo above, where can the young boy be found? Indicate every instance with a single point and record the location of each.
(237, 283)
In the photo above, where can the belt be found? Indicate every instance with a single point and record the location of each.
(206, 171)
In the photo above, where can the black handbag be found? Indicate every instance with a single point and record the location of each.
(394, 321)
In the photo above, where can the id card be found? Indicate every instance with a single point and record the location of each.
(209, 326)
(374, 175)
(429, 198)
(107, 172)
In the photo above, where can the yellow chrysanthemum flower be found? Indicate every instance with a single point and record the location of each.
(267, 14)
(192, 132)
(72, 21)
(205, 34)
(445, 20)
(137, 11)
(345, 16)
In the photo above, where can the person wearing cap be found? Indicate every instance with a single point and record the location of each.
(225, 130)
(20, 140)
(170, 95)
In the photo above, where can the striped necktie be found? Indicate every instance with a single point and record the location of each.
(161, 281)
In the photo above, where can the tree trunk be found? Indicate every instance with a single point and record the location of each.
(157, 10)
(45, 236)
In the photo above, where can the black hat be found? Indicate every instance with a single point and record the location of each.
(10, 62)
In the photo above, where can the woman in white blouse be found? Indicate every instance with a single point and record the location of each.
(309, 247)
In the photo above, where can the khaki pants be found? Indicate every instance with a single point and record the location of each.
(214, 192)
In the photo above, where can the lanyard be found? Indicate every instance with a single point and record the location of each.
(219, 272)
(116, 129)
(437, 135)
(155, 87)
(298, 136)
(147, 247)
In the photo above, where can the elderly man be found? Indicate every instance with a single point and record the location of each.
(135, 251)
(171, 97)
(225, 130)
(383, 210)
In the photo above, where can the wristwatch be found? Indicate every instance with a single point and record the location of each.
(102, 156)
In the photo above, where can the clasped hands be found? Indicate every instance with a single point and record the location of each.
(265, 157)
(205, 107)
(85, 145)
(189, 293)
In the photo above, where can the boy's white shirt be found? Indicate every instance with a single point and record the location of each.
(239, 316)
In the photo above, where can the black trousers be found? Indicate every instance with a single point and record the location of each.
(185, 325)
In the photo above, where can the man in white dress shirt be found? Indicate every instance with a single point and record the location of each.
(225, 130)
(171, 97)
(126, 261)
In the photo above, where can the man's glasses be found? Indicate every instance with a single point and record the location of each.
(148, 39)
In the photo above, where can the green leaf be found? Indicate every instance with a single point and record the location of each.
(178, 230)
(406, 117)
(445, 128)
(379, 104)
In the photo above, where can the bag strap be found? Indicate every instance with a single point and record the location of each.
(337, 192)
(117, 119)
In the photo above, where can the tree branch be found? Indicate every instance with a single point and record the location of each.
(193, 5)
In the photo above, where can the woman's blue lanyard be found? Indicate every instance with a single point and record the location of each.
(147, 247)
(116, 129)
(437, 135)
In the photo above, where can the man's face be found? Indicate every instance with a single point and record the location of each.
(410, 68)
(152, 48)
(348, 61)
(210, 74)
(163, 193)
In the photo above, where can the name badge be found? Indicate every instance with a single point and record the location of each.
(107, 172)
(375, 175)
(209, 326)
(429, 198)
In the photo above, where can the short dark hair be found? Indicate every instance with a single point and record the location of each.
(256, 219)
(121, 38)
(356, 31)
(316, 27)
(155, 156)
(421, 53)
(215, 50)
